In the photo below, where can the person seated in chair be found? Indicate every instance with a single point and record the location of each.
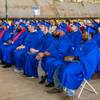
(70, 76)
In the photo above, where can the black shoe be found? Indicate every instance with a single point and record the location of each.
(7, 66)
(2, 63)
(50, 84)
(43, 79)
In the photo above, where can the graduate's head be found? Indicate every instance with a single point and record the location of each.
(59, 22)
(59, 32)
(31, 27)
(5, 25)
(41, 26)
(85, 36)
(53, 22)
(27, 22)
(19, 28)
(75, 26)
(87, 22)
(56, 33)
(46, 28)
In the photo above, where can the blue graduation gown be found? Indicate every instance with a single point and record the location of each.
(19, 54)
(73, 74)
(96, 37)
(1, 33)
(75, 38)
(31, 64)
(58, 49)
(7, 36)
(7, 50)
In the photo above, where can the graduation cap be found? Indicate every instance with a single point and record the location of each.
(47, 24)
(96, 24)
(40, 23)
(25, 20)
(5, 24)
(17, 20)
(64, 25)
(23, 25)
(77, 24)
(62, 29)
(33, 24)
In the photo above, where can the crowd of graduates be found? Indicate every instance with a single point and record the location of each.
(67, 50)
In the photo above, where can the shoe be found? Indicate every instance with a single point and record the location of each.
(43, 79)
(7, 66)
(50, 84)
(2, 63)
(54, 90)
(31, 77)
(68, 98)
(18, 71)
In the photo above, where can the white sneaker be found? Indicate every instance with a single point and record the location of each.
(32, 77)
(18, 71)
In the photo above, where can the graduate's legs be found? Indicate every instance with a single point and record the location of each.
(19, 59)
(31, 65)
(8, 56)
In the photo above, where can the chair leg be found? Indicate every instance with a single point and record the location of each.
(94, 91)
(82, 89)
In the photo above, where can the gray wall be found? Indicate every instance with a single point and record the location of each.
(23, 8)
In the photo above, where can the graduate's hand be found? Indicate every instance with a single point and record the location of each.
(46, 53)
(20, 47)
(32, 50)
(10, 41)
(40, 56)
(69, 58)
(5, 43)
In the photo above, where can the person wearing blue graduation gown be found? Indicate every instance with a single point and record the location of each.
(19, 53)
(7, 48)
(96, 37)
(3, 30)
(82, 67)
(6, 36)
(37, 45)
(75, 37)
(1, 34)
(57, 50)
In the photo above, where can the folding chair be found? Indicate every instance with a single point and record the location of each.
(83, 87)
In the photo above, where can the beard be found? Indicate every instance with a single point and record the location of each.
(19, 30)
(55, 36)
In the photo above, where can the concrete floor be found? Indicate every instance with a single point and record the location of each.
(14, 86)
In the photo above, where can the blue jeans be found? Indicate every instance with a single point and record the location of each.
(58, 84)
